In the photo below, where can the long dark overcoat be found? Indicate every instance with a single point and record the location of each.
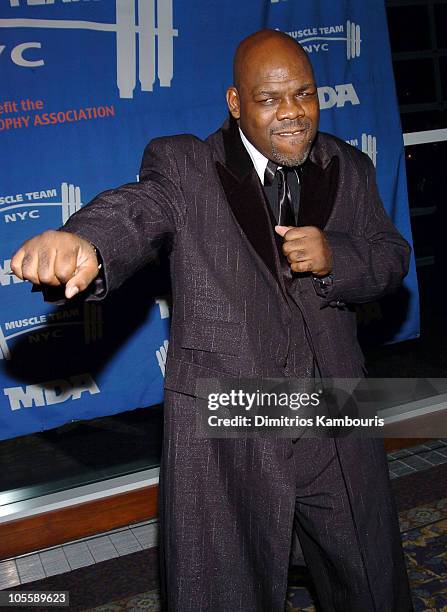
(227, 506)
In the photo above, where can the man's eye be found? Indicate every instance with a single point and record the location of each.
(267, 101)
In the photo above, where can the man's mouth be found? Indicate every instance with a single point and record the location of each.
(291, 133)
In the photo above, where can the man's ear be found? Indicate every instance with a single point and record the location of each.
(233, 102)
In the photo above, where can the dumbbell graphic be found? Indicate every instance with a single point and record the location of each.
(5, 353)
(126, 29)
(71, 200)
(70, 203)
(162, 355)
(369, 146)
(91, 323)
(352, 38)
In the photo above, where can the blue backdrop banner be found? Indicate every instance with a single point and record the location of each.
(85, 84)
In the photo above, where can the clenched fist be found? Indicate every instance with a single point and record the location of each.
(57, 258)
(306, 249)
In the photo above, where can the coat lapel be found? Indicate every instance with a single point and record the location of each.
(246, 197)
(318, 191)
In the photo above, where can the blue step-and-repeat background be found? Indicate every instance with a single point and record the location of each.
(84, 84)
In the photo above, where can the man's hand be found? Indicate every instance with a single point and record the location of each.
(306, 249)
(57, 258)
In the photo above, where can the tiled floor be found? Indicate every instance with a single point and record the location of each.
(88, 551)
(417, 458)
(130, 539)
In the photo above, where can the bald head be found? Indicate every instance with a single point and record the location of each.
(274, 96)
(259, 47)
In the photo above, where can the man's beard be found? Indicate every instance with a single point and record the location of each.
(291, 159)
(288, 160)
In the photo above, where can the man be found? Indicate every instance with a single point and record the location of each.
(255, 295)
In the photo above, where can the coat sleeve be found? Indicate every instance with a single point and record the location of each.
(370, 262)
(129, 224)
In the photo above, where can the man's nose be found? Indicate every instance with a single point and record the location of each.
(290, 108)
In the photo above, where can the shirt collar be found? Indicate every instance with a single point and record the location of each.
(259, 160)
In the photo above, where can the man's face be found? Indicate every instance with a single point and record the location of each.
(276, 103)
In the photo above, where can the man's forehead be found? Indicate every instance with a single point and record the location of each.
(280, 76)
(277, 67)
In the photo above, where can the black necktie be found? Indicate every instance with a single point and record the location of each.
(274, 174)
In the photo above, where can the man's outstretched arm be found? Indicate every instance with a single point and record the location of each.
(126, 226)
